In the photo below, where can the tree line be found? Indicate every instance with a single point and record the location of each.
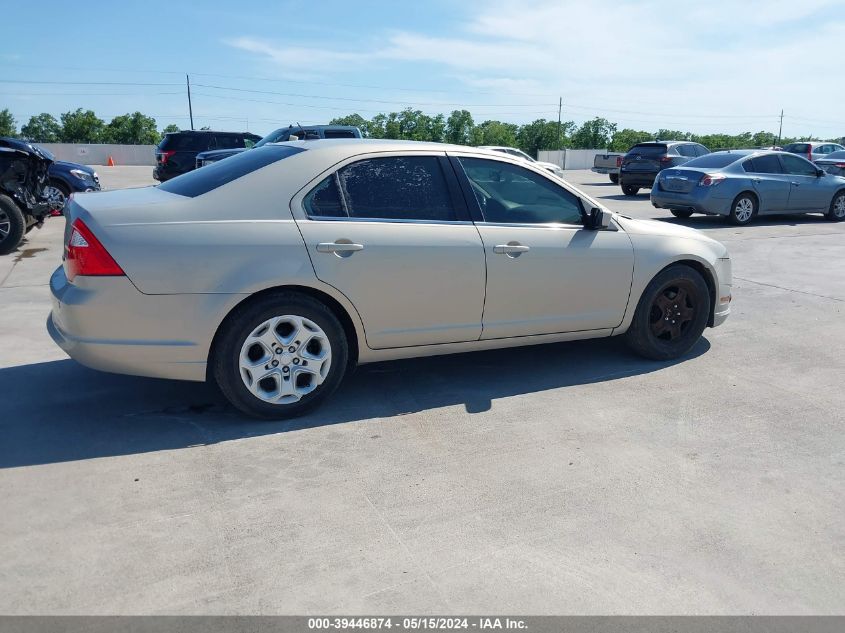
(83, 126)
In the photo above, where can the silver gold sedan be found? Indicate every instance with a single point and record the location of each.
(276, 270)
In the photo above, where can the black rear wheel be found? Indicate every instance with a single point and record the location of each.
(630, 190)
(614, 178)
(680, 213)
(671, 314)
(12, 225)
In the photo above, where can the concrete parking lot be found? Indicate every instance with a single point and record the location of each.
(569, 478)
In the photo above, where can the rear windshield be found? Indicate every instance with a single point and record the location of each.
(184, 142)
(202, 180)
(339, 134)
(801, 148)
(712, 161)
(648, 149)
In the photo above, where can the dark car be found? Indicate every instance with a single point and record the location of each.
(66, 178)
(176, 153)
(644, 161)
(833, 163)
(284, 134)
(23, 178)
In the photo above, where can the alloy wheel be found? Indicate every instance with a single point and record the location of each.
(284, 359)
(673, 310)
(5, 224)
(56, 197)
(744, 209)
(839, 206)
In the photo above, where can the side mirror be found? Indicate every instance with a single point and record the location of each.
(820, 172)
(597, 219)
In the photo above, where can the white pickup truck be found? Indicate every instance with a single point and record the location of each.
(608, 164)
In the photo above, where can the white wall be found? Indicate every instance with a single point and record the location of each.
(98, 154)
(571, 158)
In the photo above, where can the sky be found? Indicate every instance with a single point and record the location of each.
(717, 66)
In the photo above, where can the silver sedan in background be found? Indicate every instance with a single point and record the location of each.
(741, 184)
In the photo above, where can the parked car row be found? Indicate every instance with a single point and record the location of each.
(741, 184)
(686, 178)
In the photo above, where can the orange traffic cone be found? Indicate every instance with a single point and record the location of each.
(111, 162)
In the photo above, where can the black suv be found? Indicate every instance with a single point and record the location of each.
(644, 161)
(283, 134)
(177, 152)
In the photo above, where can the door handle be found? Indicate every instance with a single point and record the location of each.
(514, 248)
(796, 184)
(338, 247)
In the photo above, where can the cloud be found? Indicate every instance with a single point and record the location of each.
(643, 61)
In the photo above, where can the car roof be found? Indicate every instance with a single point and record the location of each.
(208, 132)
(383, 145)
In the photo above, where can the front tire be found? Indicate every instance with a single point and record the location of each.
(836, 213)
(681, 213)
(743, 209)
(280, 356)
(12, 225)
(671, 314)
(630, 190)
(614, 178)
(57, 193)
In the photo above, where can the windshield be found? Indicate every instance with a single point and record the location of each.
(272, 137)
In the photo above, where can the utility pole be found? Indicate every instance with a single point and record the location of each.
(559, 133)
(190, 108)
(780, 129)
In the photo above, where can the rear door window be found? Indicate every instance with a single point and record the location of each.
(200, 181)
(228, 141)
(391, 188)
(766, 164)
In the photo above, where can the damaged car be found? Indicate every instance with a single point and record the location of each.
(24, 203)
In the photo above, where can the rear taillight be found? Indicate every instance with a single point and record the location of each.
(166, 155)
(840, 165)
(710, 180)
(86, 256)
(665, 159)
(619, 161)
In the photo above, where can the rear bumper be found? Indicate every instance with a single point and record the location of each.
(105, 323)
(605, 170)
(699, 200)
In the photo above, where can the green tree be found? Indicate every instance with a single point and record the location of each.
(623, 140)
(42, 128)
(459, 127)
(8, 125)
(170, 129)
(593, 134)
(132, 129)
(82, 126)
(497, 133)
(353, 119)
(541, 134)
